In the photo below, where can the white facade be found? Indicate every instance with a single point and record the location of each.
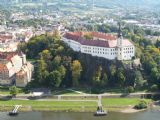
(120, 49)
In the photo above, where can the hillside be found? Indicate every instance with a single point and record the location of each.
(58, 66)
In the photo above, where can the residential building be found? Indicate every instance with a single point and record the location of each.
(14, 69)
(7, 43)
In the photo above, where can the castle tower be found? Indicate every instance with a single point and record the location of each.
(119, 43)
(23, 57)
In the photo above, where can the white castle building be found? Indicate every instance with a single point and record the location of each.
(100, 44)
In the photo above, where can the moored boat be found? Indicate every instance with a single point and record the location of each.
(100, 112)
(11, 113)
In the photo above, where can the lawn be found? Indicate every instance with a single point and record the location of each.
(122, 101)
(31, 105)
(4, 90)
(111, 104)
(105, 101)
(47, 103)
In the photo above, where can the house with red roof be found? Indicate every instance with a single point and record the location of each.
(7, 43)
(14, 69)
(99, 44)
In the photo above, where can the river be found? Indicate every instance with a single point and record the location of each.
(146, 115)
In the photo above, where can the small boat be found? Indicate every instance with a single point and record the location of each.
(14, 112)
(100, 113)
(11, 113)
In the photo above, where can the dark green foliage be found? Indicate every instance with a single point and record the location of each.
(130, 89)
(141, 105)
(13, 91)
(154, 88)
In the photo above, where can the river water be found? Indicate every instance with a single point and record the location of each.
(146, 115)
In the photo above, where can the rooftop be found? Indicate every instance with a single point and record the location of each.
(7, 55)
(99, 39)
(4, 37)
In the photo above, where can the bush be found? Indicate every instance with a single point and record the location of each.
(130, 89)
(141, 105)
(96, 91)
(13, 91)
(154, 88)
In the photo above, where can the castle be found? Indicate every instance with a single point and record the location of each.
(104, 45)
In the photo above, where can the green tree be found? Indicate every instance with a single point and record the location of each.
(76, 72)
(54, 78)
(46, 55)
(56, 61)
(139, 81)
(155, 74)
(121, 77)
(13, 91)
(113, 70)
(62, 70)
(40, 71)
(112, 78)
(104, 80)
(97, 76)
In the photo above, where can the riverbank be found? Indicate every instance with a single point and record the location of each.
(110, 104)
(131, 110)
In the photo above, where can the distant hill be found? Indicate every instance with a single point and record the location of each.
(102, 3)
(128, 3)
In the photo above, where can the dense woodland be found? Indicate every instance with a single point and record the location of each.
(58, 66)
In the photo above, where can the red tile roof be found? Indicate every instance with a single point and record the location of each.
(5, 37)
(3, 67)
(104, 36)
(108, 39)
(78, 36)
(7, 55)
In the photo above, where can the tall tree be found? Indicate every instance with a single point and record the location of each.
(139, 81)
(54, 79)
(120, 77)
(76, 72)
(112, 78)
(97, 76)
(104, 80)
(40, 70)
(62, 70)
